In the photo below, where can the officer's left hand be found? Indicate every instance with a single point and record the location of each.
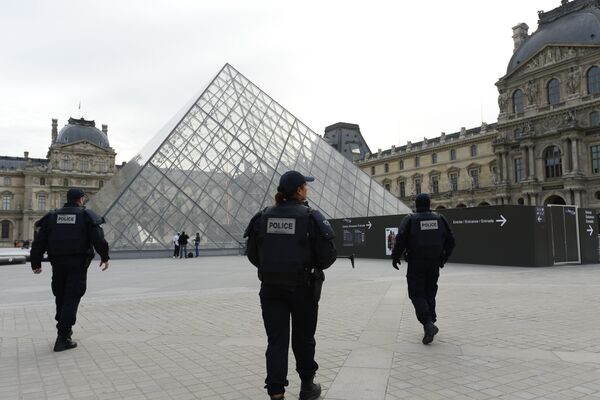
(38, 270)
(396, 263)
(105, 265)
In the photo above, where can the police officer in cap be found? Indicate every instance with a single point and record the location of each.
(68, 234)
(428, 241)
(290, 244)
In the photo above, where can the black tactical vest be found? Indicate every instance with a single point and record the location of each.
(427, 235)
(284, 245)
(67, 232)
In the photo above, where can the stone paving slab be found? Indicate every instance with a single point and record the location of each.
(191, 329)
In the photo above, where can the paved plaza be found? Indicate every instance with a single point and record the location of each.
(191, 329)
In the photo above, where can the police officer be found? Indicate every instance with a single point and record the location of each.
(290, 244)
(428, 241)
(68, 234)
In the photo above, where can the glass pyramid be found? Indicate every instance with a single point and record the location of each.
(218, 162)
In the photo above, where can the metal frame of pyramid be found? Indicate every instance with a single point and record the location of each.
(218, 162)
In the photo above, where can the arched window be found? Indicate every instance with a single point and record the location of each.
(5, 230)
(553, 92)
(594, 118)
(518, 101)
(593, 80)
(553, 162)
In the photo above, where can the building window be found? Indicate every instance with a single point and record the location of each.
(474, 174)
(63, 198)
(553, 162)
(372, 170)
(387, 186)
(594, 118)
(435, 184)
(417, 162)
(84, 165)
(595, 150)
(553, 92)
(65, 182)
(452, 154)
(66, 164)
(518, 169)
(402, 186)
(5, 234)
(386, 167)
(454, 182)
(518, 101)
(473, 150)
(102, 165)
(434, 158)
(593, 80)
(6, 201)
(41, 202)
(417, 186)
(401, 164)
(7, 181)
(101, 183)
(42, 181)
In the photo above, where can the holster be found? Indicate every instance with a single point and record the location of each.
(315, 281)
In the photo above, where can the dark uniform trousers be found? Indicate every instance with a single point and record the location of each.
(278, 304)
(422, 288)
(69, 282)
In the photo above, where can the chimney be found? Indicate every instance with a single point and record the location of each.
(520, 34)
(393, 148)
(105, 129)
(463, 131)
(443, 137)
(54, 130)
(26, 155)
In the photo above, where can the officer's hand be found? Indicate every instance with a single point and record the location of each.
(37, 270)
(396, 263)
(105, 265)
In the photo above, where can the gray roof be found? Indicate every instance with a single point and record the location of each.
(19, 163)
(80, 129)
(576, 23)
(431, 142)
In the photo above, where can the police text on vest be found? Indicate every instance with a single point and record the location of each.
(429, 225)
(285, 226)
(66, 219)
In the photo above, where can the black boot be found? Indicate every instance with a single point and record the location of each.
(430, 331)
(64, 343)
(309, 390)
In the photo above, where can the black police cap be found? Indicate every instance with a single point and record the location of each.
(292, 180)
(75, 193)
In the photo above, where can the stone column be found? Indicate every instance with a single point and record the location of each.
(531, 162)
(505, 167)
(566, 155)
(575, 151)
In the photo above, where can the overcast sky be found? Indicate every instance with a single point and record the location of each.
(402, 70)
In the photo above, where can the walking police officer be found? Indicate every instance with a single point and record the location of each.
(68, 234)
(290, 244)
(428, 241)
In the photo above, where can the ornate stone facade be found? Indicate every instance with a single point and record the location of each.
(79, 156)
(545, 147)
(458, 170)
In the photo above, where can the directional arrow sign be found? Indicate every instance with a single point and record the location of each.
(502, 220)
(590, 230)
(369, 225)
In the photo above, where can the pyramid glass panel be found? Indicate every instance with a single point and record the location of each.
(217, 162)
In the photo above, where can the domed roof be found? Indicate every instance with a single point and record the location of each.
(80, 129)
(575, 23)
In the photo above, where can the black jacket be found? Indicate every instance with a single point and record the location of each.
(322, 249)
(94, 232)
